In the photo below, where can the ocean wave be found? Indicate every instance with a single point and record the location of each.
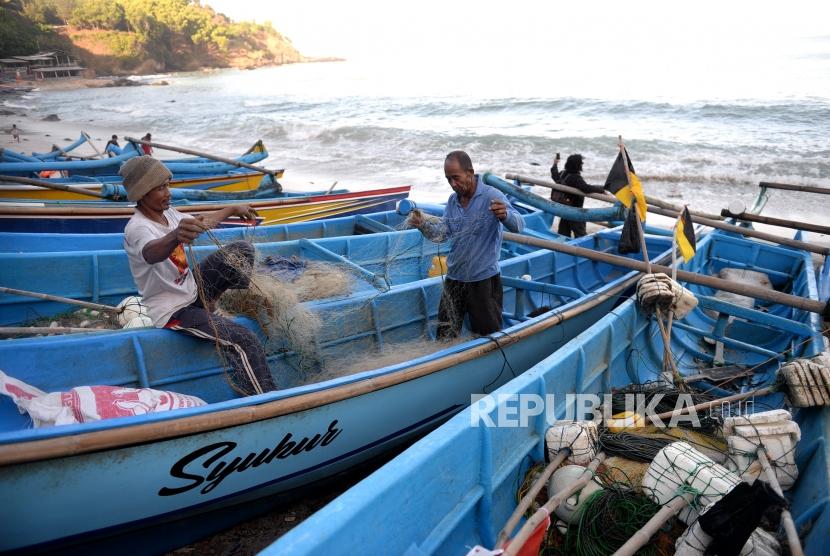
(109, 107)
(801, 111)
(17, 105)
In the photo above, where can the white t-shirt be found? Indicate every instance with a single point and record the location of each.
(166, 286)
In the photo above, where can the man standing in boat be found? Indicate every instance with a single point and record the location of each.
(155, 239)
(473, 220)
(572, 177)
(147, 149)
(113, 148)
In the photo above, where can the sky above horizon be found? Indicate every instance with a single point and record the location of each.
(736, 49)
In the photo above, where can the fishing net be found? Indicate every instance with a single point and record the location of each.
(622, 471)
(606, 520)
(662, 398)
(325, 309)
(609, 518)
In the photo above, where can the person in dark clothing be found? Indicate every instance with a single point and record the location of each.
(113, 148)
(572, 177)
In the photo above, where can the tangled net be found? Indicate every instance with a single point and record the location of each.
(609, 518)
(277, 309)
(667, 398)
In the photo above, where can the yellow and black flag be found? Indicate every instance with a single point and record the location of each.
(625, 185)
(684, 235)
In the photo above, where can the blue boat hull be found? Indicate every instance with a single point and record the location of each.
(329, 227)
(456, 488)
(110, 166)
(188, 463)
(104, 276)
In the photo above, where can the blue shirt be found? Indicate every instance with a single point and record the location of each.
(475, 233)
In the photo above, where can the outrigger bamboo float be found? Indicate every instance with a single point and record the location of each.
(460, 486)
(163, 467)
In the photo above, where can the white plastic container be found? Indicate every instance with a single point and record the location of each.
(677, 468)
(580, 436)
(775, 431)
(132, 307)
(564, 477)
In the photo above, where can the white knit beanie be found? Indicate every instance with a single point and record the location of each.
(141, 175)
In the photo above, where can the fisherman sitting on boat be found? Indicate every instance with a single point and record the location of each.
(572, 177)
(473, 220)
(181, 297)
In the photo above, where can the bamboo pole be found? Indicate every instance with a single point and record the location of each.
(790, 187)
(813, 248)
(748, 217)
(605, 196)
(237, 163)
(821, 250)
(668, 360)
(786, 517)
(528, 498)
(810, 305)
(47, 297)
(517, 542)
(641, 537)
(55, 186)
(660, 417)
(643, 248)
(91, 144)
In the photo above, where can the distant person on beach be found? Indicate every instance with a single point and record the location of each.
(155, 239)
(473, 220)
(113, 148)
(148, 150)
(15, 131)
(572, 177)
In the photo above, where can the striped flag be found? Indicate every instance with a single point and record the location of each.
(625, 185)
(684, 235)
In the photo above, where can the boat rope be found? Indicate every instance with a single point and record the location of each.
(505, 361)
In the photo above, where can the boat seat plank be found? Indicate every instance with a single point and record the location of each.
(775, 276)
(760, 317)
(367, 224)
(334, 257)
(729, 341)
(541, 287)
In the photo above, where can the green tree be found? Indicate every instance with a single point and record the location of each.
(97, 14)
(42, 12)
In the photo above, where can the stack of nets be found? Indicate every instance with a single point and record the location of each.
(275, 301)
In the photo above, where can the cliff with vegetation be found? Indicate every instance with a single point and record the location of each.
(140, 36)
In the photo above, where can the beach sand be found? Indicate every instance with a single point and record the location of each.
(38, 135)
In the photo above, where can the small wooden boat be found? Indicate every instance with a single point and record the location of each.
(106, 169)
(232, 181)
(456, 488)
(111, 216)
(383, 221)
(8, 155)
(157, 468)
(103, 276)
